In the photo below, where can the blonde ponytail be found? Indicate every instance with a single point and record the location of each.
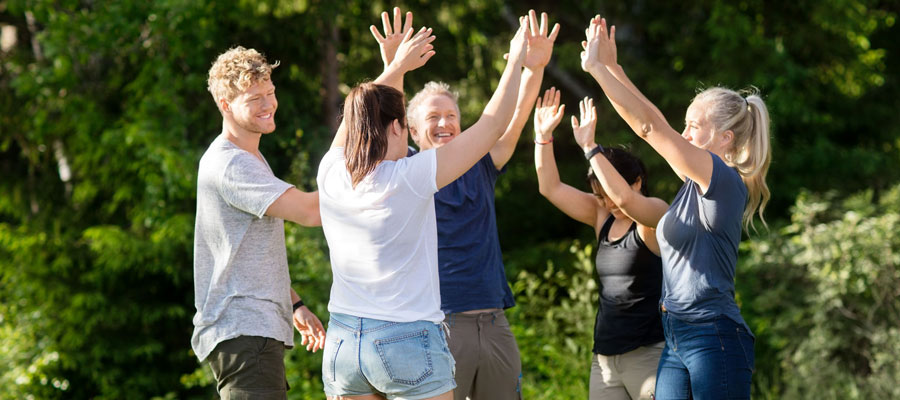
(748, 119)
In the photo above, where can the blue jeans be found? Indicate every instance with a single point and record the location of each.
(408, 360)
(710, 359)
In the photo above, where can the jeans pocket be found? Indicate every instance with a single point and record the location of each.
(329, 358)
(747, 345)
(406, 357)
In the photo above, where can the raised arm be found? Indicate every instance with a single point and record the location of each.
(578, 205)
(412, 51)
(457, 156)
(642, 209)
(619, 73)
(539, 49)
(644, 119)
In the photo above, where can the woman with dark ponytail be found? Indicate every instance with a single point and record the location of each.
(722, 156)
(628, 337)
(384, 338)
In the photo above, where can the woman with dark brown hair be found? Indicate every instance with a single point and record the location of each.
(384, 337)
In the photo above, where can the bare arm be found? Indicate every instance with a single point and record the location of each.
(644, 120)
(456, 157)
(578, 205)
(644, 210)
(539, 50)
(297, 206)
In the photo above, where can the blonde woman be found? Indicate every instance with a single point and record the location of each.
(722, 156)
(628, 337)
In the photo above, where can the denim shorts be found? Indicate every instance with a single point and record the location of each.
(398, 360)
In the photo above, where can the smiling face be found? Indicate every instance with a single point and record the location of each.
(435, 122)
(697, 128)
(253, 110)
(701, 132)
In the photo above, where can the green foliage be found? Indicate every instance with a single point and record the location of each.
(554, 319)
(823, 299)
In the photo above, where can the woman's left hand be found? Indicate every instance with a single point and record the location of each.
(584, 130)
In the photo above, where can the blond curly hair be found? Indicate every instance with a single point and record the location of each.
(236, 70)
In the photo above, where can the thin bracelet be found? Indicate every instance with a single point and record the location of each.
(547, 142)
(588, 155)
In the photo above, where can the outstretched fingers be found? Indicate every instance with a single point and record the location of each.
(556, 104)
(380, 39)
(386, 23)
(532, 23)
(554, 33)
(397, 20)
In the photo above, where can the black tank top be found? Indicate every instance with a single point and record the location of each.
(630, 279)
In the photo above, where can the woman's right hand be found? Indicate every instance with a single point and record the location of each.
(599, 47)
(548, 114)
(519, 44)
(584, 131)
(415, 50)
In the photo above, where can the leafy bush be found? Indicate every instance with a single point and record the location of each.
(822, 295)
(554, 319)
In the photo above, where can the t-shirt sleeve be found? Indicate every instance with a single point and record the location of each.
(726, 193)
(487, 163)
(248, 185)
(421, 173)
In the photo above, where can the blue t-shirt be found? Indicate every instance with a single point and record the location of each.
(698, 240)
(470, 263)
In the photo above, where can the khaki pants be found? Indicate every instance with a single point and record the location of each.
(487, 357)
(625, 376)
(249, 367)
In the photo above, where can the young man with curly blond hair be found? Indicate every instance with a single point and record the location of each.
(245, 304)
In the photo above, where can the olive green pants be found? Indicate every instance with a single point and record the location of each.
(249, 367)
(487, 357)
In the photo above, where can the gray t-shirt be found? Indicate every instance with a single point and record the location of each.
(241, 279)
(698, 241)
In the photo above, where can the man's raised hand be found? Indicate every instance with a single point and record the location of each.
(393, 35)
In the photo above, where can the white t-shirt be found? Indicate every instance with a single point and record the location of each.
(241, 278)
(382, 237)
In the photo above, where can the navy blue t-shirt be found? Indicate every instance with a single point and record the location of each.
(470, 263)
(698, 240)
